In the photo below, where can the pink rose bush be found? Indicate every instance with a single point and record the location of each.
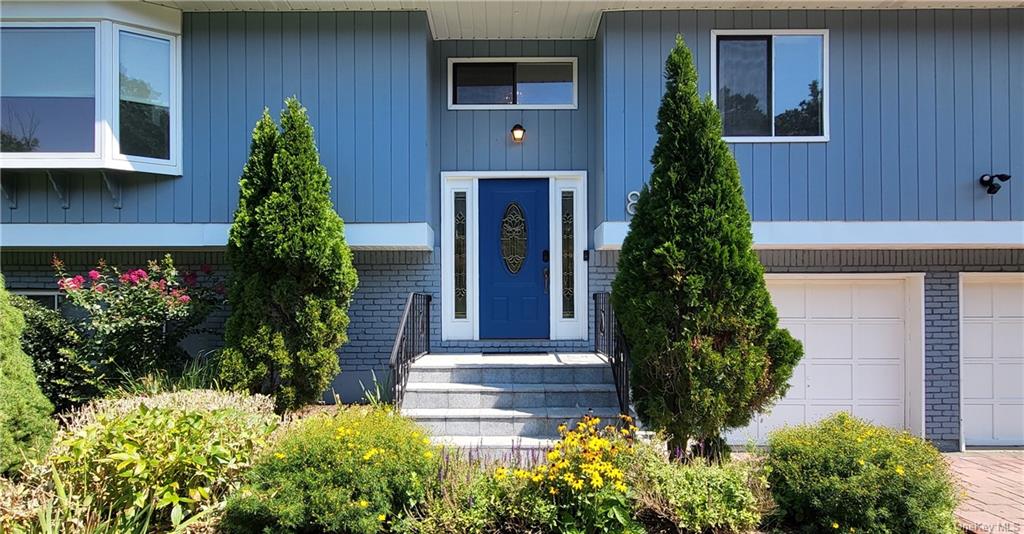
(134, 319)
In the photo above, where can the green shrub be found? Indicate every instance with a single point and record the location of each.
(846, 474)
(25, 424)
(706, 349)
(50, 340)
(166, 459)
(356, 472)
(292, 276)
(695, 497)
(466, 498)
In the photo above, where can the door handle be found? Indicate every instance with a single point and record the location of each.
(547, 280)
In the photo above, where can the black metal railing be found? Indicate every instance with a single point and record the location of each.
(609, 341)
(411, 342)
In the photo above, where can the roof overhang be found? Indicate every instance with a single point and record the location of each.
(549, 19)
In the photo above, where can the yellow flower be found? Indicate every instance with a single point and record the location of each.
(381, 517)
(279, 455)
(426, 441)
(428, 455)
(861, 461)
(553, 491)
(554, 455)
(501, 473)
(835, 525)
(620, 486)
(363, 503)
(899, 470)
(576, 484)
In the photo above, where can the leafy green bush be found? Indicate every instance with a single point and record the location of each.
(133, 320)
(695, 497)
(356, 472)
(162, 460)
(292, 276)
(846, 474)
(50, 340)
(466, 498)
(25, 424)
(706, 349)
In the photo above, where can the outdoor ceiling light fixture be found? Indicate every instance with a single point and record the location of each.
(988, 181)
(518, 133)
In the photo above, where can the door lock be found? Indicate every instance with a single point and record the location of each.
(545, 256)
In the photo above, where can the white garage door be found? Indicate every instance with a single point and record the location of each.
(992, 359)
(855, 338)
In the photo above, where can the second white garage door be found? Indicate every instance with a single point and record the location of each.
(992, 359)
(861, 351)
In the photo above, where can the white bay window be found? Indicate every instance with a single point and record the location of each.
(90, 95)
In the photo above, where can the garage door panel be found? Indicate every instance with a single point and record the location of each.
(788, 300)
(977, 421)
(976, 339)
(879, 300)
(890, 415)
(829, 301)
(797, 383)
(817, 412)
(881, 340)
(1009, 381)
(979, 375)
(829, 340)
(1009, 423)
(1008, 300)
(1008, 339)
(977, 300)
(830, 382)
(876, 382)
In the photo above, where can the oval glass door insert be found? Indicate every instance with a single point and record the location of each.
(513, 237)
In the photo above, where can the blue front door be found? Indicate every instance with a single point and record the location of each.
(514, 274)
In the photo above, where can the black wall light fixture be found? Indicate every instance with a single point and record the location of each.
(990, 183)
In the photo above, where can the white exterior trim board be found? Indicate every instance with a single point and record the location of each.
(359, 236)
(886, 235)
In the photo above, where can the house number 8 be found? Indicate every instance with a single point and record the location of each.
(631, 200)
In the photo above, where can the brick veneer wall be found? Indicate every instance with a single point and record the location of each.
(386, 278)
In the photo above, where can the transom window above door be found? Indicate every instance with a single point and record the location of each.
(771, 85)
(512, 83)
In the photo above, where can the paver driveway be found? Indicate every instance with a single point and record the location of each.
(993, 482)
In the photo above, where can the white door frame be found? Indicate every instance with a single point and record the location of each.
(913, 349)
(468, 183)
(962, 278)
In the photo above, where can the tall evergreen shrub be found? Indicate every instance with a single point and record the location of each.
(25, 425)
(292, 276)
(706, 349)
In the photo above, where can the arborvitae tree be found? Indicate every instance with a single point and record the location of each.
(25, 424)
(706, 349)
(292, 276)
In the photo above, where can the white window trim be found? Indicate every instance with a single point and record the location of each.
(106, 154)
(142, 163)
(451, 82)
(40, 293)
(468, 182)
(715, 34)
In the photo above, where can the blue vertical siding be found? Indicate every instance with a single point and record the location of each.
(921, 102)
(478, 140)
(363, 77)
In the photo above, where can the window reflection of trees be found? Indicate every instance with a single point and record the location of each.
(743, 114)
(805, 118)
(22, 140)
(145, 128)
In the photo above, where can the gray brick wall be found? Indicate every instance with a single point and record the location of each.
(387, 277)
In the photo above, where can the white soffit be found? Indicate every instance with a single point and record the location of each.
(548, 19)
